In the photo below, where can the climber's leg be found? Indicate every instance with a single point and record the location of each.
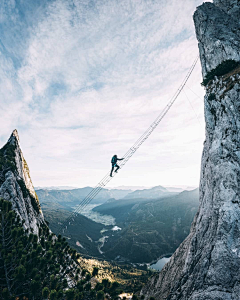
(112, 170)
(117, 168)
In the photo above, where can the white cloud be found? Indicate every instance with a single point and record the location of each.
(93, 77)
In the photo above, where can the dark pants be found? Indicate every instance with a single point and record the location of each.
(113, 166)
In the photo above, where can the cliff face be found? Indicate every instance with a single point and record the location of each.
(218, 32)
(16, 185)
(206, 265)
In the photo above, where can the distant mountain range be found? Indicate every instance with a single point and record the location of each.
(150, 222)
(177, 188)
(150, 227)
(69, 198)
(54, 188)
(130, 187)
(155, 192)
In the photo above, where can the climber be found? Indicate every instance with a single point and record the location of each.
(114, 163)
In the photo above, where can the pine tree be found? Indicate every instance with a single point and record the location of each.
(29, 264)
(95, 271)
(42, 267)
(100, 295)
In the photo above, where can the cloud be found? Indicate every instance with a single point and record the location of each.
(92, 76)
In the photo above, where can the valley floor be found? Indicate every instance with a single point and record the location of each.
(131, 279)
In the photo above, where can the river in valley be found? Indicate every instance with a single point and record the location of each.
(97, 217)
(160, 263)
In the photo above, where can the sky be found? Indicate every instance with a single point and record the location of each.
(81, 80)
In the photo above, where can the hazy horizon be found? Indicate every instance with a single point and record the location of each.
(184, 187)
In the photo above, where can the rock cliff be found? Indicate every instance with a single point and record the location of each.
(16, 185)
(231, 7)
(206, 265)
(218, 32)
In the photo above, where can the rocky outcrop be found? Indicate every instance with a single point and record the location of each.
(218, 33)
(16, 185)
(231, 7)
(206, 265)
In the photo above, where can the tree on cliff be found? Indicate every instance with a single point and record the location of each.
(40, 267)
(28, 266)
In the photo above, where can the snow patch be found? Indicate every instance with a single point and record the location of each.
(89, 238)
(79, 245)
(116, 228)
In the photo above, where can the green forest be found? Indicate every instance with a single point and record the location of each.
(43, 266)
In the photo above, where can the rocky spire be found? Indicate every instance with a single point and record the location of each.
(206, 265)
(16, 184)
(218, 33)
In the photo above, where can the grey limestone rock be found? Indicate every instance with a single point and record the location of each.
(229, 6)
(16, 185)
(218, 35)
(206, 266)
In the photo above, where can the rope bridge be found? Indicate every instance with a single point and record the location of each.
(97, 189)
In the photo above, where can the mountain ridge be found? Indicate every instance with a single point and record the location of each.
(16, 184)
(151, 193)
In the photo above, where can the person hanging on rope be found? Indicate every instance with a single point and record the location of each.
(114, 163)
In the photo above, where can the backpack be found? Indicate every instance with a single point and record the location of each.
(113, 160)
